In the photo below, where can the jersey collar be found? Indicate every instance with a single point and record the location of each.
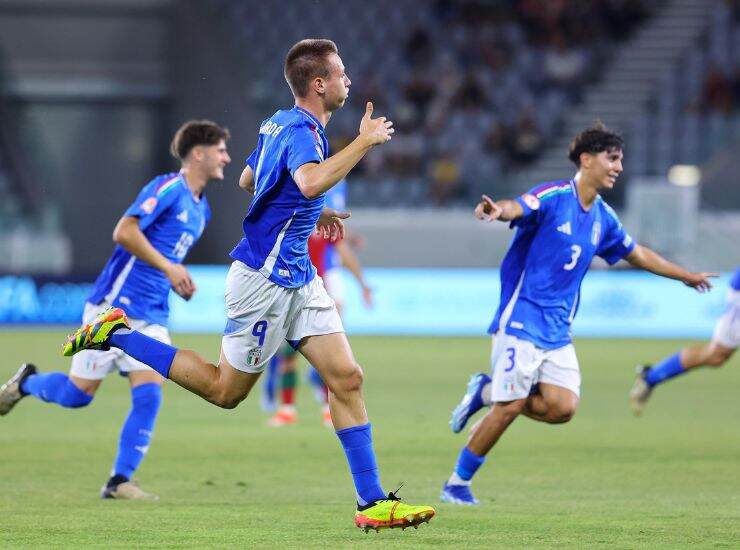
(309, 116)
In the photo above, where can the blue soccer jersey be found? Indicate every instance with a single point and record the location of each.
(172, 220)
(541, 274)
(280, 219)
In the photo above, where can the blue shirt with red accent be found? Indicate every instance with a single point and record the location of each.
(172, 220)
(280, 218)
(541, 274)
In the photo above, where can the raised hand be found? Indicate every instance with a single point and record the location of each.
(700, 281)
(487, 209)
(377, 130)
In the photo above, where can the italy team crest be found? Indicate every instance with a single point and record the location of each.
(253, 357)
(595, 233)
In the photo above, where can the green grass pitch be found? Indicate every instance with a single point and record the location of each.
(606, 479)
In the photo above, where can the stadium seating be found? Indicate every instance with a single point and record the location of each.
(469, 108)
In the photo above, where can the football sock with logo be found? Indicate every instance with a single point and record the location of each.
(357, 443)
(137, 430)
(287, 384)
(55, 387)
(668, 368)
(467, 464)
(149, 351)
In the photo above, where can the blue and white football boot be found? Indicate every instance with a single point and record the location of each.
(458, 494)
(471, 402)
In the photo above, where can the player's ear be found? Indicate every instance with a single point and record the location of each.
(585, 159)
(319, 85)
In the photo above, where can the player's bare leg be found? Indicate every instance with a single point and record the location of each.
(492, 426)
(484, 435)
(551, 404)
(332, 356)
(710, 354)
(221, 384)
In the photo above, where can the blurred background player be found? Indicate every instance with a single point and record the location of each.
(560, 226)
(328, 258)
(714, 353)
(152, 239)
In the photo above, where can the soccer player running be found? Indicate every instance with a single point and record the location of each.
(152, 239)
(714, 353)
(560, 226)
(272, 293)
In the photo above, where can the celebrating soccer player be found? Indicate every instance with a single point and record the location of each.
(272, 293)
(560, 227)
(714, 353)
(153, 237)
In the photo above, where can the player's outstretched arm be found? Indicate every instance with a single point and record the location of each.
(651, 261)
(128, 234)
(504, 210)
(313, 179)
(246, 180)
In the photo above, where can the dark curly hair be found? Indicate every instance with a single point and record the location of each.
(594, 140)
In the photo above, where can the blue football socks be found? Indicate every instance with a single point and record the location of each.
(358, 447)
(55, 387)
(149, 351)
(137, 430)
(665, 370)
(468, 463)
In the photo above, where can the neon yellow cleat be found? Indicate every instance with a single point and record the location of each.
(392, 513)
(95, 334)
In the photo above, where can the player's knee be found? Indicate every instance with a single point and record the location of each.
(350, 380)
(717, 358)
(561, 415)
(224, 398)
(225, 401)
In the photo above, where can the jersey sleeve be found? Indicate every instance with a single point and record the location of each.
(153, 200)
(532, 207)
(303, 146)
(252, 160)
(616, 242)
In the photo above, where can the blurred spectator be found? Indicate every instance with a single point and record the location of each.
(564, 66)
(716, 93)
(527, 140)
(445, 179)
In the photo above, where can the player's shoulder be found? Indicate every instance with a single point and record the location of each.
(608, 210)
(286, 119)
(551, 189)
(164, 183)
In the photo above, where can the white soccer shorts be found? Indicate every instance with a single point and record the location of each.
(517, 365)
(95, 365)
(727, 329)
(262, 314)
(334, 284)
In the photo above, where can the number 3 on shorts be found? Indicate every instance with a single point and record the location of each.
(512, 354)
(260, 331)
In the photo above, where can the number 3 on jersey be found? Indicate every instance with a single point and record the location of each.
(575, 254)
